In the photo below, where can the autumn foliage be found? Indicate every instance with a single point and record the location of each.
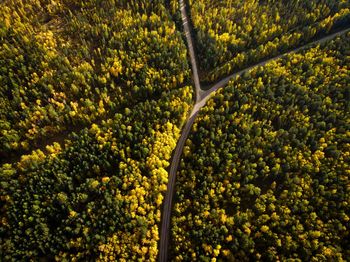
(232, 34)
(265, 171)
(66, 65)
(115, 73)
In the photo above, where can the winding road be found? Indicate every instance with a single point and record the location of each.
(201, 98)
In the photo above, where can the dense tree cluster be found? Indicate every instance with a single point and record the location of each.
(264, 175)
(66, 64)
(99, 195)
(115, 73)
(231, 34)
(265, 172)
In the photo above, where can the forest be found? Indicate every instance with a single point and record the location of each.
(231, 35)
(113, 77)
(98, 196)
(94, 98)
(265, 172)
(64, 66)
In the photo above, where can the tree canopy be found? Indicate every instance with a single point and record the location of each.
(232, 34)
(265, 172)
